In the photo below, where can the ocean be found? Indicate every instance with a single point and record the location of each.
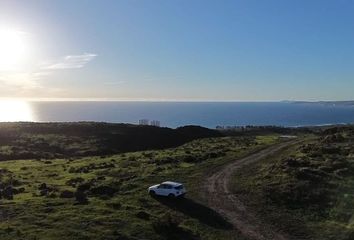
(175, 114)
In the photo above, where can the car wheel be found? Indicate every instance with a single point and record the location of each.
(171, 195)
(152, 193)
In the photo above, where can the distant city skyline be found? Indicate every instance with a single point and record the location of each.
(195, 50)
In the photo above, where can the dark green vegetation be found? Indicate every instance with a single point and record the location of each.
(58, 140)
(105, 197)
(251, 130)
(307, 190)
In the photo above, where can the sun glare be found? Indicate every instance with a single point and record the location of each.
(13, 49)
(15, 111)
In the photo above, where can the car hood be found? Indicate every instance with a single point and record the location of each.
(154, 186)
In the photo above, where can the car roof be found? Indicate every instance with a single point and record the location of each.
(174, 184)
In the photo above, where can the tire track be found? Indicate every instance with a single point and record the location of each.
(221, 199)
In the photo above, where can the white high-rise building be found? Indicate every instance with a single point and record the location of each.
(144, 122)
(155, 123)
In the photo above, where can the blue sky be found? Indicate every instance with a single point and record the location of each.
(249, 50)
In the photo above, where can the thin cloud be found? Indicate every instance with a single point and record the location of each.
(24, 80)
(72, 61)
(30, 82)
(26, 84)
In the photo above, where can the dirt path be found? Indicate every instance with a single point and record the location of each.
(221, 199)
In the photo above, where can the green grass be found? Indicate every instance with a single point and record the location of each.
(129, 213)
(306, 190)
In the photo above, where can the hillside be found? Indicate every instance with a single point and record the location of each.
(105, 197)
(307, 190)
(89, 181)
(57, 140)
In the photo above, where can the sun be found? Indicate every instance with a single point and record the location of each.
(13, 49)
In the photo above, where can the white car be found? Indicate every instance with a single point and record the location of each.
(168, 189)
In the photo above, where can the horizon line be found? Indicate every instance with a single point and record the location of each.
(153, 100)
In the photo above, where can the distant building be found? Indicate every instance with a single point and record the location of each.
(144, 122)
(155, 123)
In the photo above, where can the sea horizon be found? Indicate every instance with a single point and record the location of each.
(176, 114)
(172, 100)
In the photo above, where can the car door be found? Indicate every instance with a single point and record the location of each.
(161, 189)
(168, 189)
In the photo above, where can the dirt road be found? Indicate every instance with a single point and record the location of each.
(221, 199)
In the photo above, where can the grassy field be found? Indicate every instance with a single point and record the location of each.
(307, 190)
(106, 198)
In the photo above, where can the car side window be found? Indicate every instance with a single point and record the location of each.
(163, 186)
(168, 186)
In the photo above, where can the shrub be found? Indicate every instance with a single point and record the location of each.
(143, 215)
(168, 226)
(67, 194)
(81, 197)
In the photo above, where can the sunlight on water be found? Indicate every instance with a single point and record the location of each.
(15, 111)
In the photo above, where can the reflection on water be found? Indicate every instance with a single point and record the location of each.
(15, 111)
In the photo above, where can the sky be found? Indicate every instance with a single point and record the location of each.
(184, 50)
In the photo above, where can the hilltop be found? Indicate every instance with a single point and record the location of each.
(58, 140)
